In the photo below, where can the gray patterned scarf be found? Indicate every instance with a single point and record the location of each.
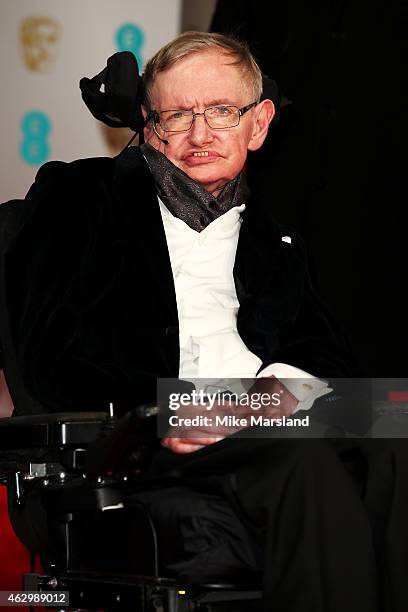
(185, 198)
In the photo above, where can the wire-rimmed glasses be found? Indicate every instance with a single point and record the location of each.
(217, 117)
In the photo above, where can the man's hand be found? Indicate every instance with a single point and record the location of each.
(188, 445)
(192, 438)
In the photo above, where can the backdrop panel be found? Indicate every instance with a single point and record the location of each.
(46, 47)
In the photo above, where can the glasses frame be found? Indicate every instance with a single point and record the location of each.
(155, 115)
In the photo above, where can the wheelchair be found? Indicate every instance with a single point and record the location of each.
(67, 476)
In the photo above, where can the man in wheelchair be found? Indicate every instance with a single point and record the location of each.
(158, 264)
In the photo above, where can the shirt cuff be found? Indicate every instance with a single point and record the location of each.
(305, 387)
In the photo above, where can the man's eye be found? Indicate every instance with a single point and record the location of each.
(177, 115)
(221, 111)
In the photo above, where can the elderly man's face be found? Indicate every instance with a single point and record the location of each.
(197, 82)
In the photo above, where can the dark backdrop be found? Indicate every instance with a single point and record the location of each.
(333, 167)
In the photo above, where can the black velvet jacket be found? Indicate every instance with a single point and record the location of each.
(89, 305)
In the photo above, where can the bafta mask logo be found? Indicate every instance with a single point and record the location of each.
(39, 37)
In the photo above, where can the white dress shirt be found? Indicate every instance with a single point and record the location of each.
(210, 346)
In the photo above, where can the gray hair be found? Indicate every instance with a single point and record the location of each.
(194, 42)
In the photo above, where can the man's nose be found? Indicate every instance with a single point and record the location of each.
(200, 132)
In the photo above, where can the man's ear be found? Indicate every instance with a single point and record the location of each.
(264, 113)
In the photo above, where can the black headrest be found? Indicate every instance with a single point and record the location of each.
(119, 103)
(115, 95)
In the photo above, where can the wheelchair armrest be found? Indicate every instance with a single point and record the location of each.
(68, 437)
(124, 445)
(58, 429)
(46, 438)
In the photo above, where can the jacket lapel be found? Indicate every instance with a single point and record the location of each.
(257, 249)
(138, 199)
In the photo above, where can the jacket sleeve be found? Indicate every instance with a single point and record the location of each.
(43, 269)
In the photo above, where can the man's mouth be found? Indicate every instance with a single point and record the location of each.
(199, 157)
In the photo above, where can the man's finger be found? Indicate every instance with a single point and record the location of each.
(188, 445)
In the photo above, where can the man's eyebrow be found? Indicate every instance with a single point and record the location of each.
(219, 101)
(207, 104)
(177, 107)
